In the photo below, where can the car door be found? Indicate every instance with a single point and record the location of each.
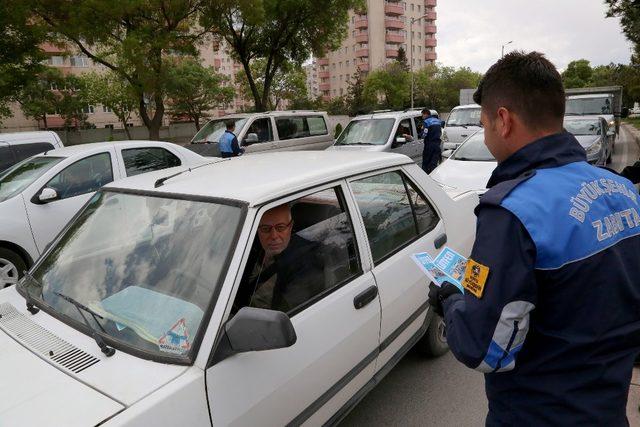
(399, 221)
(263, 128)
(404, 127)
(139, 160)
(336, 324)
(74, 185)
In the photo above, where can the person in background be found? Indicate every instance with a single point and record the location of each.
(632, 172)
(432, 151)
(228, 142)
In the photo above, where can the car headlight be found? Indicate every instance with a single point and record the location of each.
(594, 148)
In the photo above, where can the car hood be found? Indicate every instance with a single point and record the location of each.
(356, 148)
(464, 175)
(457, 134)
(587, 140)
(46, 364)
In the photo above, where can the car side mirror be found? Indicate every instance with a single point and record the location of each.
(398, 141)
(255, 329)
(252, 138)
(45, 196)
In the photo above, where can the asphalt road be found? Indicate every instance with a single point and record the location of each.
(443, 392)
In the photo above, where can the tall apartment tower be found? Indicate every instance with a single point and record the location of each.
(374, 39)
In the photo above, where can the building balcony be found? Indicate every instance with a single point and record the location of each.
(431, 16)
(394, 24)
(391, 53)
(323, 75)
(324, 86)
(430, 56)
(432, 3)
(362, 38)
(362, 53)
(50, 48)
(430, 29)
(362, 23)
(394, 38)
(323, 61)
(393, 9)
(431, 42)
(363, 67)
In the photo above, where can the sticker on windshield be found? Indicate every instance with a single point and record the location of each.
(176, 339)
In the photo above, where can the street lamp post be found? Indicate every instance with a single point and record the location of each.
(507, 43)
(411, 52)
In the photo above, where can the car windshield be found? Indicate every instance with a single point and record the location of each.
(582, 127)
(474, 149)
(150, 266)
(213, 130)
(586, 106)
(366, 132)
(20, 176)
(464, 117)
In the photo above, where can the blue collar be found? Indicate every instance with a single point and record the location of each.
(548, 152)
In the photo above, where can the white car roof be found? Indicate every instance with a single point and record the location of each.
(21, 136)
(270, 113)
(389, 115)
(259, 178)
(83, 149)
(593, 95)
(586, 117)
(467, 106)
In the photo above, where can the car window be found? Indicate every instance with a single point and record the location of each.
(6, 158)
(84, 176)
(262, 128)
(404, 130)
(302, 251)
(317, 125)
(141, 160)
(213, 130)
(24, 151)
(366, 132)
(292, 127)
(393, 211)
(419, 125)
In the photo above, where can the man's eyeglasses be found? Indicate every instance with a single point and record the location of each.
(280, 228)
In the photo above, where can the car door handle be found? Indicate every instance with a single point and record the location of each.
(365, 297)
(440, 241)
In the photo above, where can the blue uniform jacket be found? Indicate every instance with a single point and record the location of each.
(432, 130)
(557, 326)
(228, 144)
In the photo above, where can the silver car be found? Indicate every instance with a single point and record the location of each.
(595, 135)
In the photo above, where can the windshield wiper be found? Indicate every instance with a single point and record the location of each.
(362, 143)
(31, 308)
(109, 351)
(463, 158)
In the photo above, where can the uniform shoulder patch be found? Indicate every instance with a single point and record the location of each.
(475, 277)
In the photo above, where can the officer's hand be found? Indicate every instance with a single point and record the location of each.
(437, 295)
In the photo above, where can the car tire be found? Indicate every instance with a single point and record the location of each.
(11, 267)
(434, 341)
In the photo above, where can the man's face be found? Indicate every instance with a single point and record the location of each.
(274, 230)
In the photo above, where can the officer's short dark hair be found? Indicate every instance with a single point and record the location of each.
(527, 84)
(426, 111)
(230, 124)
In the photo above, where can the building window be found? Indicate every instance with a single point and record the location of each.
(109, 126)
(79, 61)
(88, 109)
(418, 8)
(56, 60)
(106, 109)
(347, 63)
(412, 7)
(419, 35)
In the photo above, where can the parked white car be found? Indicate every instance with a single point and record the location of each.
(41, 194)
(469, 167)
(146, 307)
(463, 121)
(17, 146)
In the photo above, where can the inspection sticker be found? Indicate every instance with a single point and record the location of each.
(176, 339)
(475, 278)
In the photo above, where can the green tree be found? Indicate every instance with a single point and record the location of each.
(279, 32)
(288, 84)
(439, 87)
(336, 106)
(110, 90)
(402, 58)
(629, 13)
(577, 74)
(194, 90)
(389, 84)
(357, 102)
(135, 39)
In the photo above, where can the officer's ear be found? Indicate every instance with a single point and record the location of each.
(504, 122)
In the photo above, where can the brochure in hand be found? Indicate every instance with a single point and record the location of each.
(449, 266)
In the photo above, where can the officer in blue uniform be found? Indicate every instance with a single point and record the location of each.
(432, 133)
(228, 142)
(551, 305)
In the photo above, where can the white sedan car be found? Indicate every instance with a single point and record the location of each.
(469, 167)
(41, 194)
(262, 290)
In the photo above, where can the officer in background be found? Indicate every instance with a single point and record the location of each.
(432, 133)
(551, 308)
(632, 172)
(228, 142)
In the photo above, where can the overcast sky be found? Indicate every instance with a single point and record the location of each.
(471, 32)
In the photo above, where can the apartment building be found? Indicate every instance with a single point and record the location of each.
(311, 70)
(374, 39)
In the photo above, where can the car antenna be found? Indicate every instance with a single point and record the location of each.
(160, 182)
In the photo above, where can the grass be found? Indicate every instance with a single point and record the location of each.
(634, 121)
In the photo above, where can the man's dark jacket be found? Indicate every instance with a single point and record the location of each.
(557, 326)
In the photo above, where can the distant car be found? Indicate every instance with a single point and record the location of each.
(463, 121)
(170, 262)
(595, 135)
(388, 131)
(266, 132)
(469, 167)
(17, 146)
(41, 194)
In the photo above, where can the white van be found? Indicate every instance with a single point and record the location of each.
(268, 131)
(463, 121)
(15, 147)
